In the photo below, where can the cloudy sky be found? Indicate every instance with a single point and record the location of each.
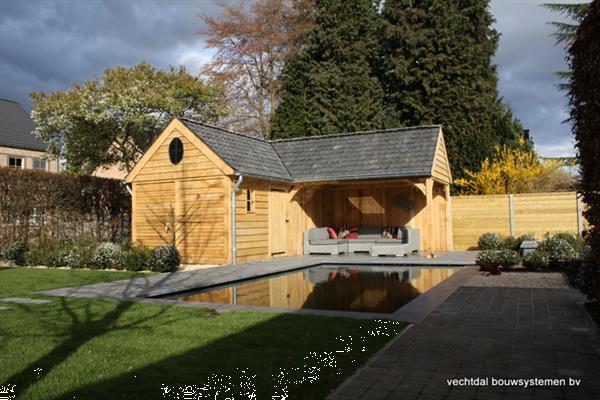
(45, 45)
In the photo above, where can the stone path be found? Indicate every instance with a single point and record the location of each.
(23, 300)
(547, 280)
(488, 332)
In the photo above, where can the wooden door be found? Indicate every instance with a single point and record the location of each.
(278, 222)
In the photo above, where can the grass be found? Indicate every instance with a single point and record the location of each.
(91, 349)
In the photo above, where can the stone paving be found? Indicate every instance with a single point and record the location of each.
(488, 332)
(548, 280)
(23, 300)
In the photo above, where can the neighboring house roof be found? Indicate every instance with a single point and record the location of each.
(393, 153)
(16, 128)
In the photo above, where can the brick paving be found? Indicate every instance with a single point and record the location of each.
(488, 332)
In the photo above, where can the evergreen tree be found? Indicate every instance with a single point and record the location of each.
(331, 86)
(436, 68)
(565, 32)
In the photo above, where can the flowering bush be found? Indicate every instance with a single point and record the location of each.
(109, 255)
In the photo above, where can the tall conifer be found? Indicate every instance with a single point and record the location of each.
(332, 86)
(437, 68)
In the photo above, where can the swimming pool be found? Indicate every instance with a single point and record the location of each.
(377, 289)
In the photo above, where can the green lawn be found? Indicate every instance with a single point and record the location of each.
(90, 349)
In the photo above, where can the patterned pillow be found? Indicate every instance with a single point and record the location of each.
(332, 234)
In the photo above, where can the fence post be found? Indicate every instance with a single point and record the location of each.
(511, 214)
(579, 215)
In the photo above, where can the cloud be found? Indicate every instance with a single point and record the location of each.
(527, 58)
(47, 45)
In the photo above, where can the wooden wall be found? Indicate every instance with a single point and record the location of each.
(389, 204)
(252, 229)
(534, 213)
(188, 198)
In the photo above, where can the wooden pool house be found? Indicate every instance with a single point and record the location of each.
(222, 196)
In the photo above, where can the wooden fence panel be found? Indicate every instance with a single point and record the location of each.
(535, 213)
(474, 215)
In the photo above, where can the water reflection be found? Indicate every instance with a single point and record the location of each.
(340, 288)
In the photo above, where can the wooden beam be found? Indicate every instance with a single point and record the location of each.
(449, 227)
(429, 209)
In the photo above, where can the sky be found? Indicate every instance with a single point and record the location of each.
(46, 45)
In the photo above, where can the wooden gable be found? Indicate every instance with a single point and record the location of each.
(198, 159)
(441, 166)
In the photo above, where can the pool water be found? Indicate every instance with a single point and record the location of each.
(339, 288)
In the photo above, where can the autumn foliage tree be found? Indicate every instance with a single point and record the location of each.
(113, 119)
(516, 170)
(252, 43)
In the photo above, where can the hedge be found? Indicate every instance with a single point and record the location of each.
(585, 117)
(38, 204)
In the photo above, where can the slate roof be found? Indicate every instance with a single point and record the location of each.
(406, 152)
(393, 153)
(16, 128)
(247, 155)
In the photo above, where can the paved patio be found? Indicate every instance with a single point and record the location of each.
(488, 332)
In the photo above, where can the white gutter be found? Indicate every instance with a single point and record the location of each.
(233, 220)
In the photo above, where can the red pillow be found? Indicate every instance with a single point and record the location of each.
(353, 229)
(332, 234)
(351, 236)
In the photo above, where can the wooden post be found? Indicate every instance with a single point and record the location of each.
(178, 228)
(134, 207)
(430, 234)
(227, 218)
(449, 226)
(511, 214)
(579, 215)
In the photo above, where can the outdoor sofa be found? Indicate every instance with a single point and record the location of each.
(369, 240)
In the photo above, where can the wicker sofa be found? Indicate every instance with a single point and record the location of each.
(317, 241)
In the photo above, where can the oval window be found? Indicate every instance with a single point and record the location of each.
(176, 151)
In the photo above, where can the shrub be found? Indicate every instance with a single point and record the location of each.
(164, 258)
(489, 241)
(583, 274)
(536, 260)
(15, 253)
(137, 257)
(577, 242)
(82, 253)
(558, 251)
(488, 259)
(49, 252)
(508, 258)
(108, 255)
(510, 243)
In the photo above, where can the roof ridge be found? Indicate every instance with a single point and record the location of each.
(223, 129)
(407, 128)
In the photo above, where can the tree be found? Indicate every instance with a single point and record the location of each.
(585, 116)
(514, 170)
(331, 86)
(565, 32)
(114, 119)
(252, 44)
(437, 69)
(507, 130)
